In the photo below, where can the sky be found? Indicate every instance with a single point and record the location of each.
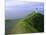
(17, 9)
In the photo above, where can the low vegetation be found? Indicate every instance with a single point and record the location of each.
(30, 24)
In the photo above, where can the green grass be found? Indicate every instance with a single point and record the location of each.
(31, 24)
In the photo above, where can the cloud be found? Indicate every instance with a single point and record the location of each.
(14, 3)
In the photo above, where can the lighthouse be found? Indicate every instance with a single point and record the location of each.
(36, 10)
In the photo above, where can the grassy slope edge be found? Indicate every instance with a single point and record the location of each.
(33, 23)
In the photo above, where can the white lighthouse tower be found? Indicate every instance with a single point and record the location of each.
(36, 10)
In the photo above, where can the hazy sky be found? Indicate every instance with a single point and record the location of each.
(17, 9)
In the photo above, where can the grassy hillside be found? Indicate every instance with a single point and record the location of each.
(30, 24)
(9, 24)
